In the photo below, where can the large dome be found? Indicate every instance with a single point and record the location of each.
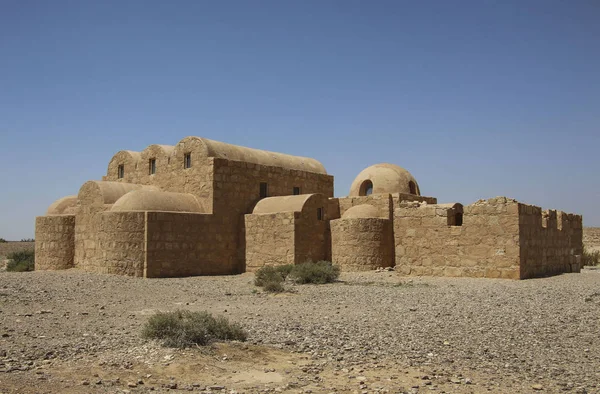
(384, 178)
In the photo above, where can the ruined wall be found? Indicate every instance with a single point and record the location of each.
(186, 244)
(55, 242)
(386, 203)
(382, 202)
(549, 241)
(362, 244)
(591, 238)
(486, 245)
(237, 190)
(117, 245)
(270, 239)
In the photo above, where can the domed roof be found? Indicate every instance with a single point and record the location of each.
(150, 200)
(361, 211)
(384, 178)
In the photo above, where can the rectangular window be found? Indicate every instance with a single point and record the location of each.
(319, 213)
(152, 166)
(296, 191)
(121, 171)
(187, 160)
(264, 190)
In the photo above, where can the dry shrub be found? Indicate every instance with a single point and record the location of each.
(183, 329)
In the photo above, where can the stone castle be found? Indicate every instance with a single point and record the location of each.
(205, 207)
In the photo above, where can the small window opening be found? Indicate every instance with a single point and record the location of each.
(152, 166)
(319, 213)
(366, 188)
(296, 191)
(412, 187)
(187, 160)
(121, 171)
(264, 190)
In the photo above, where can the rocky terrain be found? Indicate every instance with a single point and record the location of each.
(74, 332)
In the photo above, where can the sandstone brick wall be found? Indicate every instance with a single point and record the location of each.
(270, 239)
(549, 241)
(591, 238)
(312, 239)
(486, 245)
(55, 242)
(382, 202)
(197, 180)
(386, 203)
(186, 244)
(237, 190)
(289, 237)
(117, 246)
(362, 244)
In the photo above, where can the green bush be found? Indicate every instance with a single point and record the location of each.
(183, 329)
(318, 273)
(590, 257)
(271, 278)
(28, 240)
(2, 240)
(21, 261)
(274, 286)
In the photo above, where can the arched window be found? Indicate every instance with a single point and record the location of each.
(366, 188)
(412, 187)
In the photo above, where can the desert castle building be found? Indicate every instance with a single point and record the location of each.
(204, 207)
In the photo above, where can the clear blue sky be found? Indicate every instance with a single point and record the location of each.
(476, 98)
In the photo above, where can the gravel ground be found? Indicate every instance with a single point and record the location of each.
(451, 334)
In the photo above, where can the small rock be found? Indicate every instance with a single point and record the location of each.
(217, 388)
(131, 384)
(537, 387)
(85, 383)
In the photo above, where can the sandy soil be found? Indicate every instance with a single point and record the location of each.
(74, 332)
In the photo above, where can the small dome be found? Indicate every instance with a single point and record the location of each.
(384, 178)
(361, 211)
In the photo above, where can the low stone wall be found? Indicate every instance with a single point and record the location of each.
(55, 242)
(362, 244)
(486, 245)
(270, 239)
(549, 241)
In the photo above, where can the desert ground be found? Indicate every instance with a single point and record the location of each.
(76, 332)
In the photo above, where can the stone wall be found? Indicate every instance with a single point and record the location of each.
(170, 176)
(118, 244)
(55, 242)
(270, 239)
(186, 244)
(486, 245)
(591, 238)
(237, 190)
(386, 203)
(289, 237)
(312, 239)
(549, 241)
(362, 244)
